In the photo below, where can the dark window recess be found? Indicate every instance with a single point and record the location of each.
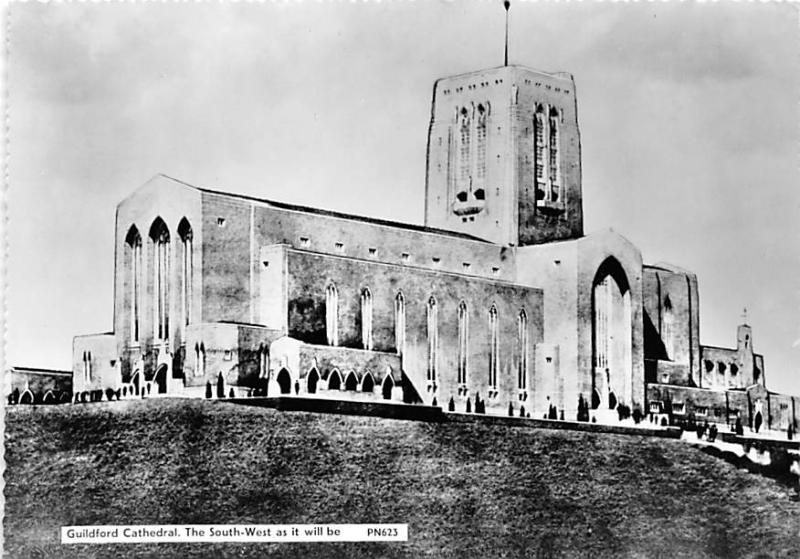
(480, 194)
(462, 196)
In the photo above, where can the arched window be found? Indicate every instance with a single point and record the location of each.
(332, 314)
(134, 246)
(159, 235)
(464, 147)
(555, 168)
(539, 161)
(668, 329)
(480, 140)
(87, 367)
(493, 347)
(400, 322)
(433, 338)
(366, 318)
(187, 273)
(463, 325)
(263, 361)
(522, 374)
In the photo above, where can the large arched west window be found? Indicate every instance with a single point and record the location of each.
(493, 347)
(611, 335)
(463, 335)
(159, 237)
(433, 338)
(133, 243)
(522, 350)
(332, 314)
(366, 318)
(400, 322)
(187, 273)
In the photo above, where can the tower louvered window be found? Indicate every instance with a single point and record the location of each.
(554, 194)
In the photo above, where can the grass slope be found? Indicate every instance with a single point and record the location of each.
(466, 490)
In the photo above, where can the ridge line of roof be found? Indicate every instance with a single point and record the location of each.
(342, 215)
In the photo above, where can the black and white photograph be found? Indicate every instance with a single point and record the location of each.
(394, 279)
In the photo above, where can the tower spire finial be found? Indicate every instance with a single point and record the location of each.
(506, 5)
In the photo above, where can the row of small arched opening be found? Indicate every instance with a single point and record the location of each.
(28, 397)
(335, 381)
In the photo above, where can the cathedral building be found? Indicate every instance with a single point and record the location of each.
(500, 294)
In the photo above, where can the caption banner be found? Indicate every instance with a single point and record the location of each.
(220, 533)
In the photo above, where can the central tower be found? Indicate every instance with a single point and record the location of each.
(504, 156)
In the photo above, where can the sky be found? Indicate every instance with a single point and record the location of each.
(688, 116)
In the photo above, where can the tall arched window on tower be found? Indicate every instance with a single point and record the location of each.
(539, 162)
(463, 333)
(433, 339)
(366, 318)
(187, 273)
(134, 248)
(554, 192)
(399, 322)
(668, 329)
(480, 147)
(159, 236)
(522, 350)
(332, 314)
(493, 347)
(464, 162)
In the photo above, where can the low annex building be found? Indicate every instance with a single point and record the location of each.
(500, 294)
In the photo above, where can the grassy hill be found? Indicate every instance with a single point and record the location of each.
(466, 490)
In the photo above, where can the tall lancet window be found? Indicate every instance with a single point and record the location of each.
(554, 193)
(480, 140)
(366, 318)
(400, 322)
(539, 161)
(159, 235)
(332, 314)
(464, 148)
(187, 273)
(134, 246)
(463, 333)
(522, 350)
(493, 347)
(668, 329)
(433, 338)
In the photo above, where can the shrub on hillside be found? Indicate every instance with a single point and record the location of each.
(469, 405)
(110, 393)
(510, 409)
(451, 405)
(637, 415)
(220, 386)
(208, 389)
(522, 411)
